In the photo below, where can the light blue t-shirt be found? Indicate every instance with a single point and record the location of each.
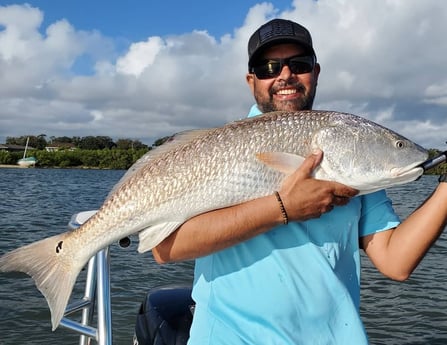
(295, 284)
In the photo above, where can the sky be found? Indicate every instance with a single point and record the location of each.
(143, 69)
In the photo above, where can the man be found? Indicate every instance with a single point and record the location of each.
(259, 280)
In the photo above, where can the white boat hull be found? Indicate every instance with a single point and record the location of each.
(27, 162)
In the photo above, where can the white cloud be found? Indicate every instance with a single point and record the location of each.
(384, 60)
(16, 37)
(140, 55)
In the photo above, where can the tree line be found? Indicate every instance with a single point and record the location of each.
(102, 159)
(88, 152)
(39, 142)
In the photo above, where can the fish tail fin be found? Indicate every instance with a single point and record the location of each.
(53, 271)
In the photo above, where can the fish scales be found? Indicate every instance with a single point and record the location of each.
(202, 170)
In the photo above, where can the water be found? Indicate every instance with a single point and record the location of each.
(412, 312)
(38, 203)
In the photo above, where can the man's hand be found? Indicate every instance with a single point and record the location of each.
(305, 197)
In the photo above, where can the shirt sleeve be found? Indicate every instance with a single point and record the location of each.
(377, 214)
(254, 111)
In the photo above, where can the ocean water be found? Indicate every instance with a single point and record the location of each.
(37, 203)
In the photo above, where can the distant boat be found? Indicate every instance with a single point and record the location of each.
(27, 161)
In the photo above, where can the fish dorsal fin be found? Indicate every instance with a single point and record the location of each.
(283, 162)
(173, 142)
(153, 235)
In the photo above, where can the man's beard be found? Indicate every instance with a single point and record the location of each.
(305, 102)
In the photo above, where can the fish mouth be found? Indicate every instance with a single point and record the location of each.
(412, 170)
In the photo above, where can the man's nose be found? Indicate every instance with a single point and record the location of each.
(285, 73)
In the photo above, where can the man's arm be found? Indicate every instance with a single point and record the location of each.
(303, 198)
(397, 252)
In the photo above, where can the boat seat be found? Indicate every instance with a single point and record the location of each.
(165, 317)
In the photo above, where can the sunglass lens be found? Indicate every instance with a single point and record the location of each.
(267, 70)
(299, 67)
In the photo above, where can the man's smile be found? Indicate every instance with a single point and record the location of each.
(286, 92)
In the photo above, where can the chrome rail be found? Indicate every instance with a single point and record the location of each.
(97, 292)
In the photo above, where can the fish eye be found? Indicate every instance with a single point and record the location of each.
(400, 144)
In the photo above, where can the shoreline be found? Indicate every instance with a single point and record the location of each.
(12, 166)
(9, 166)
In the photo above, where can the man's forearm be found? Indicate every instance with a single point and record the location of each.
(219, 229)
(397, 253)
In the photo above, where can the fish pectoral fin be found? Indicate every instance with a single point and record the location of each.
(284, 162)
(153, 235)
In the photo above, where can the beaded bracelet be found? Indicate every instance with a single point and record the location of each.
(282, 208)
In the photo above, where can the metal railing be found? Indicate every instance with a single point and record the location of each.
(97, 293)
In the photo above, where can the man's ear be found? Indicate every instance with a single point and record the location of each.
(317, 70)
(250, 78)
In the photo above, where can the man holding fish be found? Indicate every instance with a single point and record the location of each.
(285, 268)
(277, 244)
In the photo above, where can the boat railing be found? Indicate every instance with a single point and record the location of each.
(96, 294)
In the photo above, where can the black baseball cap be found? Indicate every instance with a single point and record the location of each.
(278, 31)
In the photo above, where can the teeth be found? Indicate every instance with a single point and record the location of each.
(286, 92)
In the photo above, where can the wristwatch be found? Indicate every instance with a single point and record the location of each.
(443, 178)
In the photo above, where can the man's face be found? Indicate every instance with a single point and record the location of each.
(287, 91)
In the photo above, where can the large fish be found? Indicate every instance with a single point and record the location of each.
(209, 169)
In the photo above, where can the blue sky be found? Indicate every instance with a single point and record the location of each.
(136, 19)
(145, 69)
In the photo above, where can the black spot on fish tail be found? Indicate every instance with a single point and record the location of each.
(59, 247)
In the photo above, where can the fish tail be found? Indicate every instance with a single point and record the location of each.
(54, 272)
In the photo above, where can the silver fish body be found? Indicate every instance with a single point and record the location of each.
(209, 169)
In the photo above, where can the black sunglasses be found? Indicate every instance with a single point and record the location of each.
(271, 68)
